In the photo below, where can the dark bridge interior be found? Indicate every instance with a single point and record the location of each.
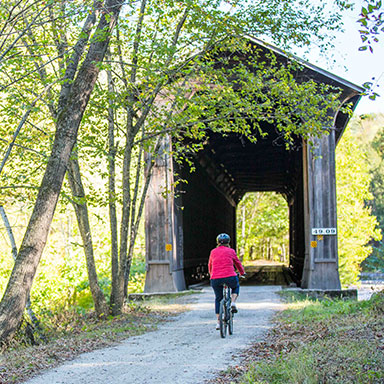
(226, 169)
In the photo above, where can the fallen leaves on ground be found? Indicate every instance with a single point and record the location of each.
(344, 348)
(19, 363)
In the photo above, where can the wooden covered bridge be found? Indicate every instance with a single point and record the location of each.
(181, 228)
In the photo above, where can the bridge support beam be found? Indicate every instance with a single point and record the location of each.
(321, 258)
(163, 229)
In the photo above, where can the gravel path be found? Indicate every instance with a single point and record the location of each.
(368, 288)
(188, 350)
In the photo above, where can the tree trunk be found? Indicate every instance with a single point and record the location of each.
(32, 316)
(117, 305)
(251, 250)
(135, 218)
(243, 242)
(112, 197)
(269, 250)
(74, 175)
(69, 119)
(81, 209)
(131, 131)
(283, 253)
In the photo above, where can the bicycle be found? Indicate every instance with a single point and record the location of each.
(225, 313)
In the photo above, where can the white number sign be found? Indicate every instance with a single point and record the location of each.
(323, 231)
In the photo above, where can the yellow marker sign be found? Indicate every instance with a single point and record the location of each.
(168, 247)
(320, 237)
(313, 244)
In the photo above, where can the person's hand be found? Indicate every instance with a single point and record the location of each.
(243, 276)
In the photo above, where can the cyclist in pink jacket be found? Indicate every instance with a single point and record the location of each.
(221, 266)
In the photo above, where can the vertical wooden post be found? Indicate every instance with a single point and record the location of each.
(162, 228)
(321, 258)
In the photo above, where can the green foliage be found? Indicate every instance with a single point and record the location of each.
(137, 275)
(298, 368)
(82, 298)
(262, 226)
(371, 23)
(368, 130)
(375, 261)
(356, 225)
(61, 283)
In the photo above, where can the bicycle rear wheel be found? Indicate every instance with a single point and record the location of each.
(222, 319)
(230, 320)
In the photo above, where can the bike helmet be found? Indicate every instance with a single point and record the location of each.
(223, 238)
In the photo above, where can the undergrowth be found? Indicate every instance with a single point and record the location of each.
(318, 342)
(69, 333)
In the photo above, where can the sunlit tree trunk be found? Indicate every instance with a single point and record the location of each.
(242, 243)
(283, 253)
(251, 251)
(269, 249)
(133, 203)
(112, 198)
(81, 209)
(8, 228)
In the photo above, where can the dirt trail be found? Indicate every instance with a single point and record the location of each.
(188, 350)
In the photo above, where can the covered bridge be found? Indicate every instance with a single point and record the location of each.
(181, 228)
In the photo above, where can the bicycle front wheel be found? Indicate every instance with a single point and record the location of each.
(222, 319)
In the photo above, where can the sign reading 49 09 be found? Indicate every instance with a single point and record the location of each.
(323, 231)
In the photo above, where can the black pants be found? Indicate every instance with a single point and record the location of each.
(217, 285)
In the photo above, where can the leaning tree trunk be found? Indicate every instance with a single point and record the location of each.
(69, 119)
(81, 210)
(32, 316)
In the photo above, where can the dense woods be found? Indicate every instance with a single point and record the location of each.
(89, 87)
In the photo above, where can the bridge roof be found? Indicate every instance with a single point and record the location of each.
(330, 78)
(351, 93)
(236, 166)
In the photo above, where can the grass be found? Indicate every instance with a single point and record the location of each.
(74, 333)
(318, 341)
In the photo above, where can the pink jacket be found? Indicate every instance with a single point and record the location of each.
(222, 261)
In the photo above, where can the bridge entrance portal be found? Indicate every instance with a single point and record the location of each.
(181, 226)
(263, 238)
(226, 169)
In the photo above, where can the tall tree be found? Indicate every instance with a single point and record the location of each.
(356, 225)
(368, 131)
(61, 41)
(73, 101)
